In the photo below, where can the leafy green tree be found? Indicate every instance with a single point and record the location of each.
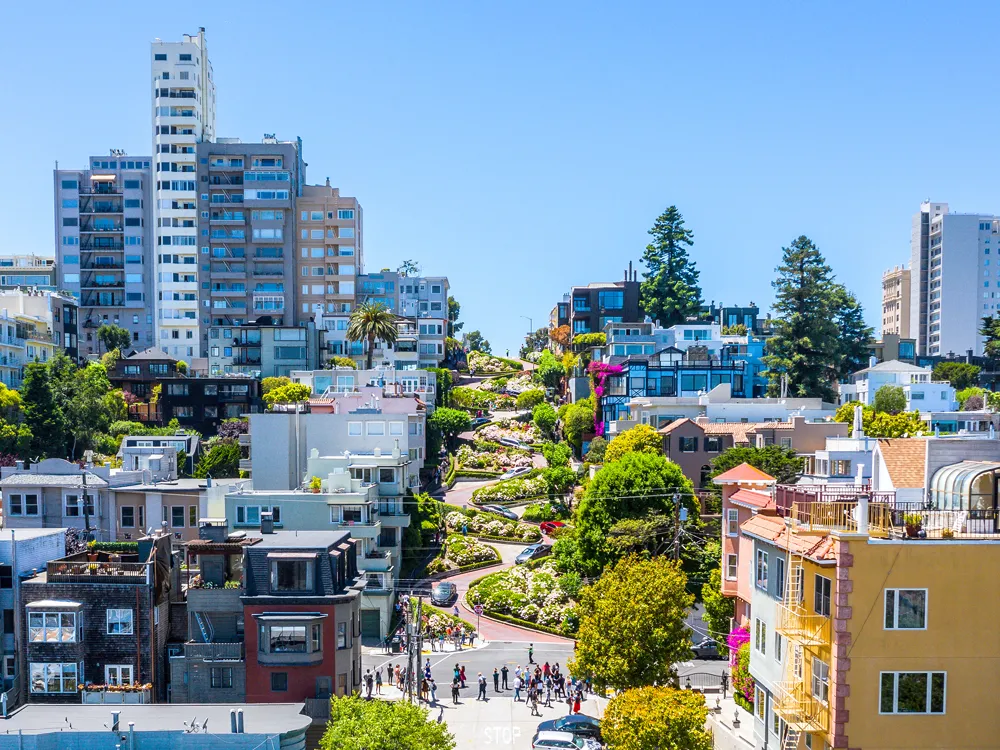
(577, 421)
(641, 439)
(738, 329)
(719, 610)
(598, 338)
(670, 291)
(780, 463)
(408, 268)
(853, 334)
(990, 329)
(442, 394)
(371, 322)
(634, 486)
(881, 425)
(544, 417)
(342, 362)
(182, 367)
(269, 384)
(656, 718)
(965, 394)
(596, 450)
(959, 374)
(535, 341)
(450, 422)
(454, 310)
(359, 724)
(87, 408)
(889, 399)
(222, 459)
(557, 454)
(114, 337)
(291, 393)
(475, 342)
(559, 479)
(632, 628)
(804, 346)
(43, 414)
(549, 370)
(530, 399)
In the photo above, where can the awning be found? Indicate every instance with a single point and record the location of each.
(51, 604)
(291, 555)
(103, 177)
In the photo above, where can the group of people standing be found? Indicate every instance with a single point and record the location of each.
(543, 684)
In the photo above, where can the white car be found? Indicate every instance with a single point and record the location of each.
(515, 472)
(563, 741)
(511, 443)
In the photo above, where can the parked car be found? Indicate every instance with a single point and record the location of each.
(533, 552)
(563, 741)
(443, 593)
(705, 649)
(513, 443)
(580, 725)
(548, 527)
(479, 421)
(515, 472)
(500, 511)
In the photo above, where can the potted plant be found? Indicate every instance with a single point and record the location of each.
(315, 484)
(913, 523)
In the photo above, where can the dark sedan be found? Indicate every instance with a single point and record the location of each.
(443, 593)
(579, 724)
(508, 514)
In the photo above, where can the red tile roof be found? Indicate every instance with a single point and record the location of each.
(752, 498)
(744, 473)
(772, 529)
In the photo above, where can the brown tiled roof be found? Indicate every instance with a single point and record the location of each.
(740, 430)
(905, 459)
(743, 473)
(772, 529)
(752, 498)
(675, 424)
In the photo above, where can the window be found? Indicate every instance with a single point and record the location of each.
(222, 677)
(760, 637)
(52, 627)
(53, 678)
(291, 575)
(6, 577)
(128, 517)
(905, 609)
(193, 516)
(376, 428)
(345, 213)
(820, 680)
(23, 505)
(287, 639)
(779, 578)
(315, 640)
(611, 300)
(762, 570)
(119, 621)
(912, 693)
(341, 635)
(72, 505)
(279, 682)
(732, 522)
(177, 516)
(689, 444)
(177, 389)
(386, 476)
(760, 702)
(354, 429)
(779, 646)
(821, 601)
(9, 667)
(731, 567)
(713, 445)
(118, 674)
(395, 428)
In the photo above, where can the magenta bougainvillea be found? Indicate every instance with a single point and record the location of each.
(739, 663)
(599, 373)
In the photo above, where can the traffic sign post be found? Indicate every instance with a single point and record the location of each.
(478, 609)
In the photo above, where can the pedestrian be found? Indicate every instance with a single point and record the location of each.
(472, 638)
(378, 681)
(454, 690)
(576, 705)
(503, 675)
(533, 700)
(496, 680)
(462, 675)
(425, 689)
(569, 703)
(531, 653)
(545, 669)
(482, 687)
(434, 692)
(518, 682)
(448, 631)
(441, 642)
(548, 695)
(369, 683)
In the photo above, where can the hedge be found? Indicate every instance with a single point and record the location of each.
(475, 566)
(526, 624)
(126, 547)
(490, 538)
(477, 473)
(742, 702)
(449, 477)
(438, 611)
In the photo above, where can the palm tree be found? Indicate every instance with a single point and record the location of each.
(371, 321)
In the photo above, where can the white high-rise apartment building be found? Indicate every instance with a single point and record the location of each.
(183, 116)
(955, 278)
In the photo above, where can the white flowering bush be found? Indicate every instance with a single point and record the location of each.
(533, 356)
(464, 551)
(498, 461)
(509, 428)
(487, 363)
(491, 524)
(520, 384)
(530, 595)
(439, 622)
(511, 490)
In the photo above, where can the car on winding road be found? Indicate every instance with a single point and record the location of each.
(533, 552)
(579, 725)
(548, 527)
(501, 511)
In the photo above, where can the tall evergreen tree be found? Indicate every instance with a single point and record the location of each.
(670, 291)
(42, 413)
(855, 334)
(804, 346)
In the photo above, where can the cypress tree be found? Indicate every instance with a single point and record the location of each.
(670, 292)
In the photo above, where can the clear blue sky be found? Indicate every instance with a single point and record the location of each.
(522, 147)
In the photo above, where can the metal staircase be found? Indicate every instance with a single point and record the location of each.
(791, 739)
(205, 626)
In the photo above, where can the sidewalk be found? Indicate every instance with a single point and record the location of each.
(726, 735)
(448, 648)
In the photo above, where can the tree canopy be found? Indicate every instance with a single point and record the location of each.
(577, 420)
(530, 399)
(882, 425)
(450, 422)
(114, 337)
(475, 342)
(454, 310)
(669, 290)
(544, 417)
(656, 718)
(632, 625)
(889, 399)
(220, 458)
(290, 393)
(989, 328)
(640, 439)
(359, 724)
(780, 463)
(959, 374)
(548, 371)
(269, 384)
(853, 334)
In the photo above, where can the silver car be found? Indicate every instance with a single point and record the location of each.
(563, 741)
(515, 472)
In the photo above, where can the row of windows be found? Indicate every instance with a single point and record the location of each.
(62, 627)
(378, 428)
(343, 213)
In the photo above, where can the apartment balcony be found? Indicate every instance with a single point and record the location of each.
(45, 336)
(245, 361)
(376, 562)
(229, 292)
(91, 206)
(100, 245)
(802, 626)
(214, 651)
(794, 702)
(94, 228)
(112, 266)
(100, 189)
(84, 571)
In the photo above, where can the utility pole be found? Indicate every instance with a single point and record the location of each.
(677, 526)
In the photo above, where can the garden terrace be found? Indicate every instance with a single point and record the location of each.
(896, 520)
(786, 495)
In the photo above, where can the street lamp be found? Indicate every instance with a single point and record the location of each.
(531, 327)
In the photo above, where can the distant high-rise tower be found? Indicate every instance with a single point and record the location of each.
(183, 116)
(896, 302)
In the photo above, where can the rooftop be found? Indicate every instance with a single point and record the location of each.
(905, 460)
(178, 485)
(744, 474)
(302, 539)
(161, 717)
(893, 365)
(150, 354)
(29, 479)
(771, 528)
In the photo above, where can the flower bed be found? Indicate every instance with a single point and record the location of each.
(490, 524)
(511, 490)
(461, 550)
(437, 621)
(478, 398)
(498, 461)
(487, 363)
(519, 384)
(509, 428)
(533, 595)
(539, 512)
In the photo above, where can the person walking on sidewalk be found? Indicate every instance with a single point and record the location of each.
(482, 687)
(518, 682)
(548, 694)
(378, 681)
(369, 683)
(503, 677)
(533, 701)
(434, 692)
(496, 680)
(461, 674)
(531, 653)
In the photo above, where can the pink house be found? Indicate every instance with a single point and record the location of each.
(745, 491)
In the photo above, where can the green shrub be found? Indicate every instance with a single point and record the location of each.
(590, 339)
(118, 547)
(530, 399)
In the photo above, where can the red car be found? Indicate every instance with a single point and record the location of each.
(548, 527)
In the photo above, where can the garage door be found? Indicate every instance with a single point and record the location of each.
(371, 626)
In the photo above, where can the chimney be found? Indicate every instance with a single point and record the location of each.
(19, 465)
(872, 361)
(328, 182)
(858, 429)
(395, 449)
(267, 522)
(232, 720)
(239, 720)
